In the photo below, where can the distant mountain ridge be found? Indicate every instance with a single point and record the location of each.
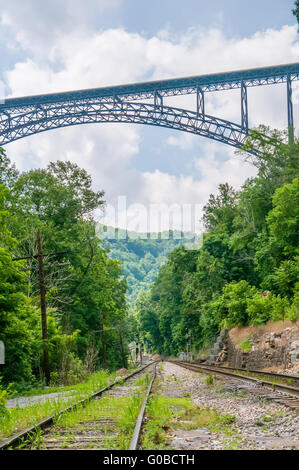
(143, 254)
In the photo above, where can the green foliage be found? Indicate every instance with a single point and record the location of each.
(293, 310)
(263, 309)
(251, 245)
(209, 380)
(142, 256)
(235, 300)
(81, 280)
(5, 394)
(283, 219)
(246, 345)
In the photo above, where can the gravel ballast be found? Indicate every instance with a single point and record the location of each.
(259, 424)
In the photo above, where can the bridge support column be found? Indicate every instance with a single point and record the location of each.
(117, 101)
(200, 101)
(290, 110)
(158, 100)
(244, 107)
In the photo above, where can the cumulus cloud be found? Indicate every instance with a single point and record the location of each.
(36, 25)
(77, 59)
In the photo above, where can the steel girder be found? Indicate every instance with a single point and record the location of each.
(290, 109)
(21, 117)
(69, 114)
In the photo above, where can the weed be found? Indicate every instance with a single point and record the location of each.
(232, 444)
(119, 412)
(18, 418)
(210, 379)
(166, 414)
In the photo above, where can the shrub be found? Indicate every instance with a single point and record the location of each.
(5, 393)
(259, 309)
(292, 312)
(235, 300)
(263, 309)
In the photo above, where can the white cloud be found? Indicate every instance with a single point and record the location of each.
(183, 141)
(36, 24)
(75, 60)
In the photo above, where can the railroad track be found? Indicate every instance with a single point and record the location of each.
(284, 394)
(292, 380)
(84, 432)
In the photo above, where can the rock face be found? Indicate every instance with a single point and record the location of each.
(219, 350)
(268, 349)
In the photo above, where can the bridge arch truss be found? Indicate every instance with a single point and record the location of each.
(143, 103)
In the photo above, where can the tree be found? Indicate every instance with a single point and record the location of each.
(283, 219)
(8, 171)
(296, 10)
(82, 283)
(251, 245)
(19, 319)
(220, 209)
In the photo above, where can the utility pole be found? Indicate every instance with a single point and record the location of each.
(103, 340)
(43, 306)
(141, 347)
(138, 345)
(122, 350)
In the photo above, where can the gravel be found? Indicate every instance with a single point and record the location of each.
(259, 424)
(22, 402)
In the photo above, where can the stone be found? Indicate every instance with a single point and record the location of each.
(294, 345)
(294, 357)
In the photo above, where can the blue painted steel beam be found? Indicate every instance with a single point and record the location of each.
(200, 101)
(244, 107)
(172, 87)
(138, 113)
(21, 117)
(290, 110)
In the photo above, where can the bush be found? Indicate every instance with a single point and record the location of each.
(76, 373)
(235, 301)
(263, 309)
(259, 309)
(5, 393)
(285, 276)
(280, 306)
(3, 401)
(292, 312)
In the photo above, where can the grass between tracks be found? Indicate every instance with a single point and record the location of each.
(16, 419)
(114, 418)
(165, 415)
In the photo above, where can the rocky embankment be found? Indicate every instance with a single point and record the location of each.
(273, 347)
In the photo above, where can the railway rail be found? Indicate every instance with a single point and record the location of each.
(46, 425)
(289, 379)
(285, 394)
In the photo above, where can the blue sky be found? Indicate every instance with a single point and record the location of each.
(70, 44)
(239, 18)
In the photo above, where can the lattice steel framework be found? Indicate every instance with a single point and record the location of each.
(21, 117)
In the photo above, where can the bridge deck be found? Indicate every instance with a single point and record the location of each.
(171, 87)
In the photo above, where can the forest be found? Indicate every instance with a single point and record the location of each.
(247, 270)
(87, 321)
(142, 255)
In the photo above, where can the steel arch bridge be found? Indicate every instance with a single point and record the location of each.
(144, 103)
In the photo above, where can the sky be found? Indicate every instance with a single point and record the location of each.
(70, 44)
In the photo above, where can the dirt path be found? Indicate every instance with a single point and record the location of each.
(22, 402)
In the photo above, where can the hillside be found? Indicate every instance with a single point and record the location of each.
(142, 255)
